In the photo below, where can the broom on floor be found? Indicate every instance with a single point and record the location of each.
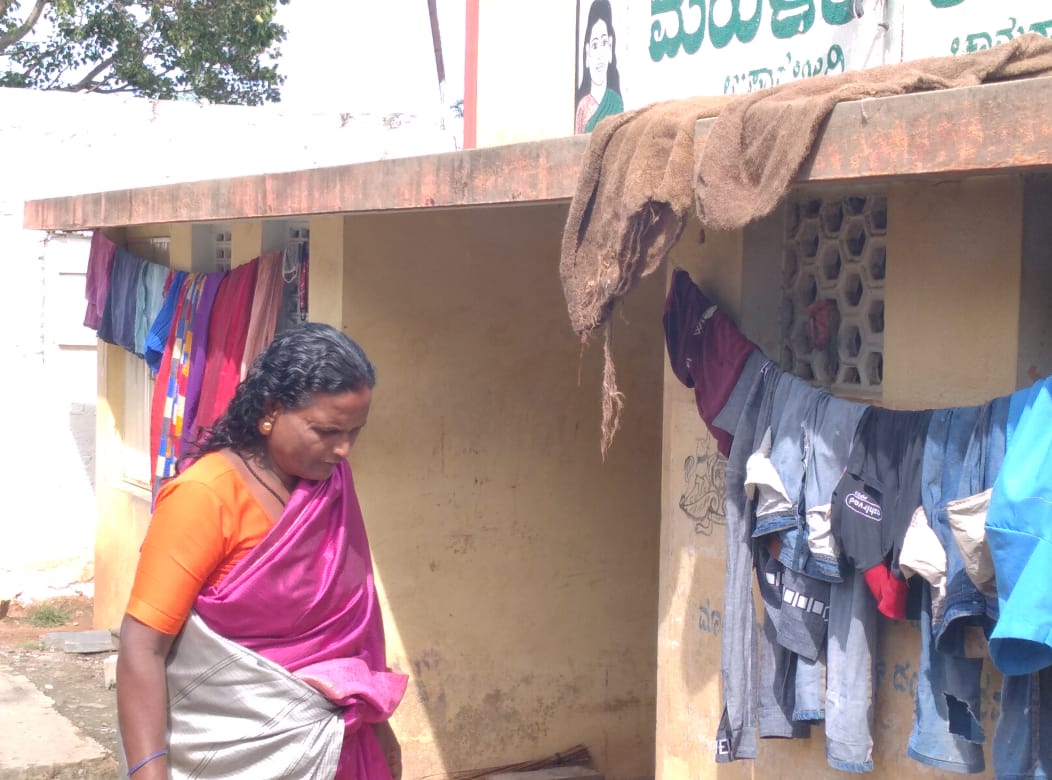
(575, 756)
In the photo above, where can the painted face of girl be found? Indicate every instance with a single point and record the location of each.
(598, 50)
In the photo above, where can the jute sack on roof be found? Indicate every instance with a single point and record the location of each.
(632, 198)
(638, 178)
(631, 202)
(759, 142)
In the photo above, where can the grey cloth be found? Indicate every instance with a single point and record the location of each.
(737, 735)
(235, 714)
(727, 418)
(778, 665)
(850, 658)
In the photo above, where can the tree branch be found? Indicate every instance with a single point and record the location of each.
(88, 79)
(111, 90)
(20, 32)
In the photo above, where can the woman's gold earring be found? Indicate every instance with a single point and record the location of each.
(266, 427)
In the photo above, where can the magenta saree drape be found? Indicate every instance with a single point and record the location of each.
(305, 599)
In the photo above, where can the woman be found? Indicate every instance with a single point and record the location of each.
(253, 644)
(600, 92)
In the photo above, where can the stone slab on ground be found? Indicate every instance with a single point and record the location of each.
(38, 742)
(552, 773)
(100, 641)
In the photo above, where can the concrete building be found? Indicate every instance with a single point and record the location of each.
(540, 597)
(62, 143)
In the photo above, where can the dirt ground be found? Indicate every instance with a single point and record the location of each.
(73, 681)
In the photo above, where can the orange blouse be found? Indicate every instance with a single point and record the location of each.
(204, 522)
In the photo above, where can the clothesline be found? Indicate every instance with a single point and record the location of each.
(198, 332)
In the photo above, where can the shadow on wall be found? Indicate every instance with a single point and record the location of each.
(82, 429)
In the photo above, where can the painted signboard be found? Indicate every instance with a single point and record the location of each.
(939, 27)
(634, 52)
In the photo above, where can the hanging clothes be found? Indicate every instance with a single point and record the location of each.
(875, 499)
(149, 297)
(157, 336)
(170, 388)
(97, 278)
(706, 350)
(891, 494)
(1019, 530)
(266, 305)
(226, 344)
(117, 325)
(294, 288)
(198, 348)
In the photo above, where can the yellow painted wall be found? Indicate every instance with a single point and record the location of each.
(524, 90)
(518, 571)
(952, 320)
(953, 291)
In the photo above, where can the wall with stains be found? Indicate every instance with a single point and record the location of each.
(518, 570)
(961, 328)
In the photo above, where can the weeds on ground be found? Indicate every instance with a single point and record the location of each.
(48, 616)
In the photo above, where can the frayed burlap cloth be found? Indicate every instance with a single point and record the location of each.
(639, 175)
(630, 206)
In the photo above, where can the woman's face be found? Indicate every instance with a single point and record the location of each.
(597, 52)
(309, 442)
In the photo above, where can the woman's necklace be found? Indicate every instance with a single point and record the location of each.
(259, 479)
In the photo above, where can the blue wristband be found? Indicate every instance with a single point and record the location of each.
(146, 761)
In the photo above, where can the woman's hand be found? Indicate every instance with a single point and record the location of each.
(392, 750)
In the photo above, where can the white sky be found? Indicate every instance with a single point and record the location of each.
(369, 57)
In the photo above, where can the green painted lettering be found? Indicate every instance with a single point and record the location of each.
(838, 12)
(742, 29)
(665, 29)
(835, 59)
(668, 33)
(692, 40)
(791, 17)
(945, 3)
(1042, 28)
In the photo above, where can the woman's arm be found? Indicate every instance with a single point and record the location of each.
(142, 696)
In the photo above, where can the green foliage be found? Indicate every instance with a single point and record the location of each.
(48, 616)
(222, 51)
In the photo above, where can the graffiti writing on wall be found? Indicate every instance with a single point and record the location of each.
(704, 488)
(683, 25)
(762, 78)
(977, 41)
(710, 620)
(904, 678)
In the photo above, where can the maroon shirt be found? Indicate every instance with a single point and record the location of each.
(705, 348)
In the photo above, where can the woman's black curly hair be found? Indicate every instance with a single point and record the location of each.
(309, 358)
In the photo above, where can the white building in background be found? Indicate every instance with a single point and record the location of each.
(60, 143)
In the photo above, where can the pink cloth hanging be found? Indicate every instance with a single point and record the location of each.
(266, 304)
(226, 344)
